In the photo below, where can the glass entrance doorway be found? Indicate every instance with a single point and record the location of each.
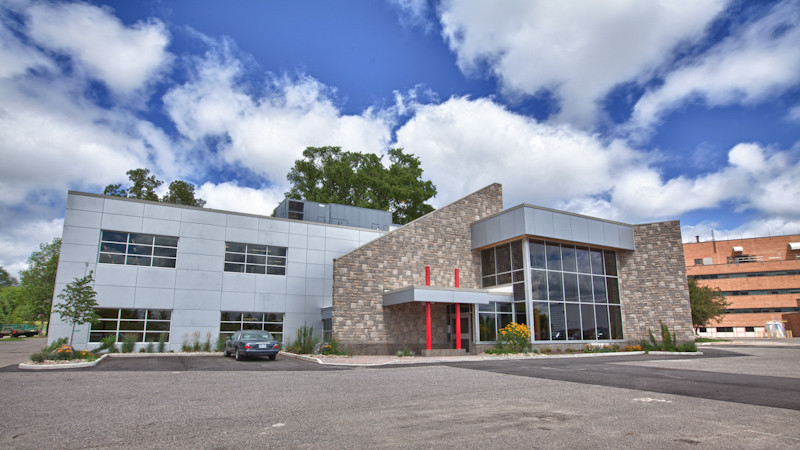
(466, 326)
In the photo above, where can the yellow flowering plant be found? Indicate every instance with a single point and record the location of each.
(516, 337)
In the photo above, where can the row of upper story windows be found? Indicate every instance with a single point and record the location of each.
(769, 273)
(152, 250)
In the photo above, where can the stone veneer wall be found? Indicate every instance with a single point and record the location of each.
(653, 283)
(441, 240)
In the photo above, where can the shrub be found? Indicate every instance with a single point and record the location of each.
(405, 352)
(60, 342)
(39, 357)
(107, 344)
(332, 348)
(196, 345)
(128, 343)
(668, 342)
(221, 344)
(162, 342)
(207, 343)
(150, 348)
(65, 352)
(516, 336)
(186, 345)
(305, 342)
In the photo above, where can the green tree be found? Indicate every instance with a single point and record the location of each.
(78, 303)
(330, 175)
(38, 281)
(11, 300)
(707, 304)
(144, 186)
(182, 193)
(6, 279)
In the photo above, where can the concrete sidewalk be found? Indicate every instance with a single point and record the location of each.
(380, 360)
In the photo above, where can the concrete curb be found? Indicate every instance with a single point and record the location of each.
(433, 360)
(110, 355)
(62, 366)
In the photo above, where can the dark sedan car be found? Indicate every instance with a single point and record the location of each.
(251, 343)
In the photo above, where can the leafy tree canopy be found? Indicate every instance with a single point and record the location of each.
(6, 279)
(330, 175)
(144, 186)
(707, 304)
(38, 281)
(78, 303)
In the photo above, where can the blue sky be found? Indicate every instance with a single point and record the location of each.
(626, 110)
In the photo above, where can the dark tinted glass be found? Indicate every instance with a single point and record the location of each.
(615, 320)
(107, 313)
(599, 289)
(488, 330)
(163, 262)
(230, 267)
(235, 257)
(558, 323)
(597, 262)
(587, 321)
(166, 241)
(134, 325)
(165, 251)
(108, 258)
(537, 255)
(610, 259)
(255, 259)
(138, 260)
(540, 328)
(503, 257)
(133, 313)
(272, 270)
(585, 286)
(538, 284)
(582, 255)
(272, 261)
(555, 286)
(114, 236)
(159, 314)
(113, 248)
(516, 255)
(235, 247)
(574, 331)
(276, 251)
(553, 257)
(257, 249)
(568, 260)
(601, 316)
(570, 287)
(140, 250)
(137, 238)
(229, 316)
(487, 262)
(613, 290)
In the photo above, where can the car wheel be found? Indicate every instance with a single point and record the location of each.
(272, 357)
(239, 356)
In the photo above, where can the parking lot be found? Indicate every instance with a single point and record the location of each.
(742, 397)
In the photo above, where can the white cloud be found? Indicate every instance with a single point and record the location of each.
(773, 226)
(793, 114)
(579, 50)
(467, 144)
(757, 62)
(17, 243)
(267, 132)
(230, 196)
(124, 57)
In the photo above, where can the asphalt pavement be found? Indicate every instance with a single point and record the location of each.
(641, 401)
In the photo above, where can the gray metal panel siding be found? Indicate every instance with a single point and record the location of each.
(527, 220)
(580, 229)
(562, 227)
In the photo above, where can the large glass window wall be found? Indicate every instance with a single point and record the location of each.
(574, 292)
(146, 325)
(232, 321)
(502, 265)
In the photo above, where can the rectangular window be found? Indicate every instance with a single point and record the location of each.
(749, 329)
(724, 329)
(253, 258)
(137, 249)
(147, 325)
(232, 321)
(698, 262)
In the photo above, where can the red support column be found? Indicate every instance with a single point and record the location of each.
(458, 319)
(428, 310)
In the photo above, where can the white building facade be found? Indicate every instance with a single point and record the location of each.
(179, 272)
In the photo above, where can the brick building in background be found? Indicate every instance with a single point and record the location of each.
(760, 278)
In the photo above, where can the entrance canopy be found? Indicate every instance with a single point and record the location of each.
(422, 294)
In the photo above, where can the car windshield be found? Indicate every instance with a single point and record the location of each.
(261, 335)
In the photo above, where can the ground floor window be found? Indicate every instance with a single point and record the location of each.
(496, 316)
(327, 329)
(146, 325)
(232, 321)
